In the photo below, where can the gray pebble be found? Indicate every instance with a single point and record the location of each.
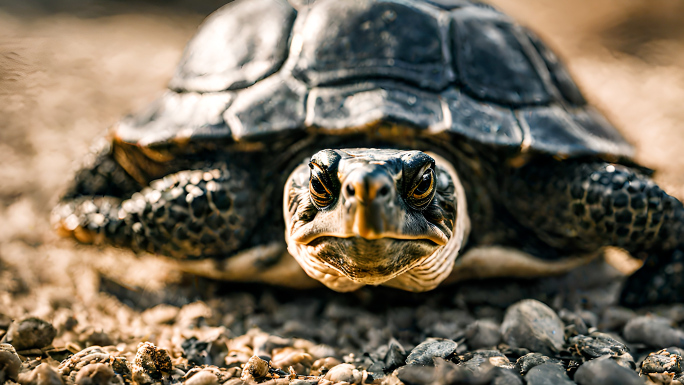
(525, 363)
(615, 318)
(662, 361)
(506, 377)
(30, 333)
(474, 360)
(532, 325)
(548, 374)
(653, 331)
(396, 355)
(481, 365)
(597, 345)
(416, 375)
(573, 321)
(424, 353)
(604, 371)
(483, 334)
(9, 363)
(447, 372)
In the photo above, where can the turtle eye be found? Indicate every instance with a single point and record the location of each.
(321, 195)
(422, 193)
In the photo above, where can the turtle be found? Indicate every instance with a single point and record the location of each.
(405, 143)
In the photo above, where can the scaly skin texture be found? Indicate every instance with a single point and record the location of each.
(199, 213)
(582, 206)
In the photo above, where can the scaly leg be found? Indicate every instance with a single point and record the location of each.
(189, 214)
(579, 206)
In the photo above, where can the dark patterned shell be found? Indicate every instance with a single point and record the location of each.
(259, 67)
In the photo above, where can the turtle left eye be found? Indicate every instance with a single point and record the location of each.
(421, 195)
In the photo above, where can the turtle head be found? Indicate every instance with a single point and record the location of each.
(359, 217)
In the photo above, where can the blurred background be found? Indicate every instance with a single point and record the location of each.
(71, 68)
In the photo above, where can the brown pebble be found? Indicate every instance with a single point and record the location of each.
(234, 381)
(98, 338)
(9, 363)
(285, 357)
(152, 361)
(95, 374)
(344, 373)
(43, 374)
(30, 333)
(254, 369)
(204, 377)
(91, 355)
(160, 314)
(323, 365)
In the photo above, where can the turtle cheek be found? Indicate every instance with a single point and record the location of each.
(441, 215)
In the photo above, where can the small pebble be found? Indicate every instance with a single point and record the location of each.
(98, 338)
(655, 332)
(424, 353)
(599, 345)
(43, 374)
(151, 361)
(95, 374)
(344, 373)
(30, 333)
(416, 375)
(548, 374)
(285, 357)
(203, 378)
(489, 357)
(321, 351)
(483, 334)
(573, 322)
(90, 355)
(604, 371)
(160, 314)
(662, 361)
(254, 369)
(197, 352)
(532, 325)
(615, 318)
(322, 365)
(9, 363)
(506, 377)
(525, 363)
(395, 356)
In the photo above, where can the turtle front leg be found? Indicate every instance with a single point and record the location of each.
(579, 206)
(189, 214)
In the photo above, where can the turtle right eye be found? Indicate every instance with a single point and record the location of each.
(320, 194)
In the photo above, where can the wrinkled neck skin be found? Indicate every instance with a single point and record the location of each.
(373, 232)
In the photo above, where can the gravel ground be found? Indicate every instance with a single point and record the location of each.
(75, 314)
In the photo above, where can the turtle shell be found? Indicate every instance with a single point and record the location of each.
(260, 67)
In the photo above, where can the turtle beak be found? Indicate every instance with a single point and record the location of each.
(369, 200)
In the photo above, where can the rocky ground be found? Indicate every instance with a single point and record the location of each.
(74, 314)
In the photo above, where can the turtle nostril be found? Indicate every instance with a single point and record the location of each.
(384, 190)
(350, 190)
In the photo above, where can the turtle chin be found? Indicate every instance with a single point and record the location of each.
(370, 262)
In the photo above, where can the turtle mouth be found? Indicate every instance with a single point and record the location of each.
(371, 262)
(434, 235)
